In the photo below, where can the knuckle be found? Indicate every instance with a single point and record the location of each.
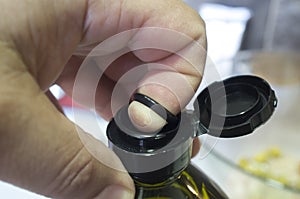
(74, 178)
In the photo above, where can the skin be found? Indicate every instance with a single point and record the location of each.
(44, 42)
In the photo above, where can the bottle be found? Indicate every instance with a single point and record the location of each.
(160, 163)
(191, 183)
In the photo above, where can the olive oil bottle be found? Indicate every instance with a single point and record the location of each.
(190, 184)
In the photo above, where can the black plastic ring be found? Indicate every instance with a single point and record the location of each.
(156, 107)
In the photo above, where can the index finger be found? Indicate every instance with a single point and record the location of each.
(175, 67)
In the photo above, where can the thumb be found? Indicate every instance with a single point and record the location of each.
(41, 150)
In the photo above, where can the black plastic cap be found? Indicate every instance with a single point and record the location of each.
(170, 158)
(123, 134)
(235, 106)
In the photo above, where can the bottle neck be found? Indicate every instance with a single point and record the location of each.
(167, 182)
(164, 175)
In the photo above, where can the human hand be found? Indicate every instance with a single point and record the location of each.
(41, 150)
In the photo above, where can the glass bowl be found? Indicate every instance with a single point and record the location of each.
(266, 163)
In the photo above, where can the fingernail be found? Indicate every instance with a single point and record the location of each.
(115, 192)
(144, 118)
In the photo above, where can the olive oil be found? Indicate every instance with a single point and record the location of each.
(190, 184)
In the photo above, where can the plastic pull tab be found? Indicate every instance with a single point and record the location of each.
(170, 118)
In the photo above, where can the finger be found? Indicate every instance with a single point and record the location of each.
(172, 82)
(96, 88)
(67, 77)
(178, 58)
(117, 83)
(86, 93)
(170, 14)
(41, 150)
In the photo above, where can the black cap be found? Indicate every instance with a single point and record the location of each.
(235, 106)
(150, 159)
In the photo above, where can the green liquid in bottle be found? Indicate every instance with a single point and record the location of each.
(190, 184)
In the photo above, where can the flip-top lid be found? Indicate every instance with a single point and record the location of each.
(235, 106)
(230, 108)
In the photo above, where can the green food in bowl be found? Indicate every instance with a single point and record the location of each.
(274, 165)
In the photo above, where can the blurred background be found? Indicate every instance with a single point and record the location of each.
(260, 37)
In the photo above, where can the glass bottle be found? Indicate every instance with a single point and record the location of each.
(191, 183)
